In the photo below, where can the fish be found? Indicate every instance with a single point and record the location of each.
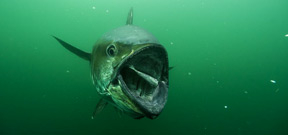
(129, 69)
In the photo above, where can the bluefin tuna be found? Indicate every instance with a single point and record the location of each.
(129, 69)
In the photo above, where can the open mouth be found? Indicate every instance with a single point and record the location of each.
(144, 79)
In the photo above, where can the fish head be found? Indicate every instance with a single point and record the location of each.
(129, 68)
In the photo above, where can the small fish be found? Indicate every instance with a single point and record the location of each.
(129, 68)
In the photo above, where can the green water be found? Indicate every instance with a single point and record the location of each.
(226, 55)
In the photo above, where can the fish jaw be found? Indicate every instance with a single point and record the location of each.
(143, 78)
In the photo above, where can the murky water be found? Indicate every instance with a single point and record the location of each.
(229, 57)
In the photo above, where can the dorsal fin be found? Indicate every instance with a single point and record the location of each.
(130, 17)
(78, 52)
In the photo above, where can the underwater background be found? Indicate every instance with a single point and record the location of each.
(230, 61)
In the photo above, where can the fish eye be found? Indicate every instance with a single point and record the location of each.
(111, 50)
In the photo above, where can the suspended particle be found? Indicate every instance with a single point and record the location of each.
(272, 81)
(277, 90)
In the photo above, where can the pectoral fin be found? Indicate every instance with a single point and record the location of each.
(140, 117)
(78, 52)
(99, 107)
(119, 112)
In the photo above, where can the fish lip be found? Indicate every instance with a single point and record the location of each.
(150, 108)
